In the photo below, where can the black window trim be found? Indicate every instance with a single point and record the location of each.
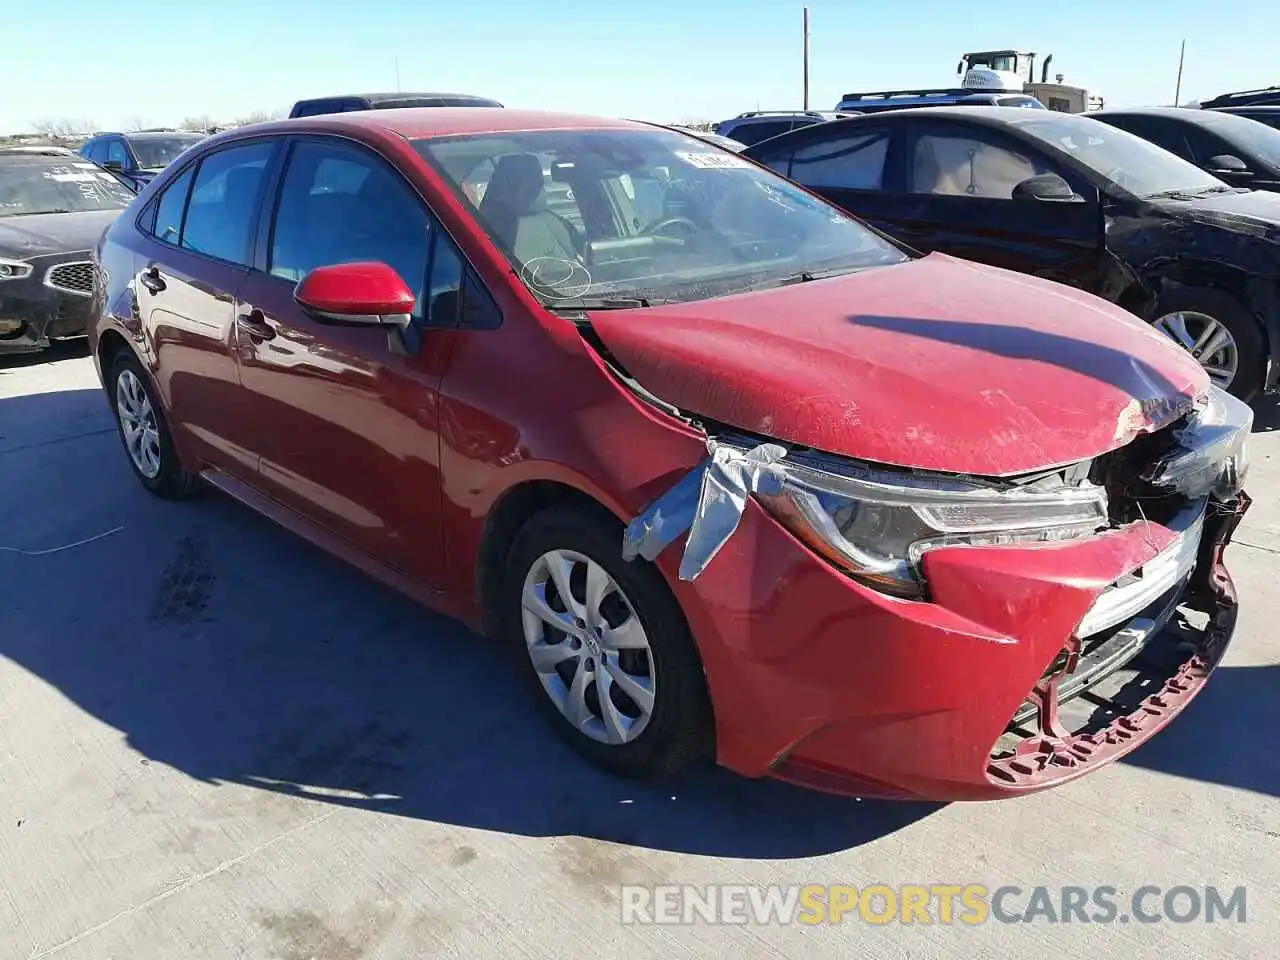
(265, 229)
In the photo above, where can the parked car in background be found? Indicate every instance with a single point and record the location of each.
(756, 125)
(1235, 149)
(876, 101)
(54, 205)
(139, 156)
(1243, 98)
(1270, 115)
(347, 103)
(967, 496)
(1070, 199)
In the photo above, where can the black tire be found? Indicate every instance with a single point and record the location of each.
(680, 729)
(1251, 343)
(172, 482)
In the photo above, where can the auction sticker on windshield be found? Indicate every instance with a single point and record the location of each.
(713, 161)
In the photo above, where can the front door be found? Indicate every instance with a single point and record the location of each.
(192, 264)
(346, 427)
(957, 198)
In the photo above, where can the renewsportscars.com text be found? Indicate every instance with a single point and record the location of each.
(968, 904)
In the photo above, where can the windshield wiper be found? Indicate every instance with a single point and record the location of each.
(598, 303)
(1189, 194)
(808, 276)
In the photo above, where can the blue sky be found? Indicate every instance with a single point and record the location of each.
(116, 61)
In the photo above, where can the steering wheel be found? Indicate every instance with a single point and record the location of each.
(667, 223)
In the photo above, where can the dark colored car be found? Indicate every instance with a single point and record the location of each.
(1244, 98)
(54, 205)
(1270, 115)
(137, 157)
(880, 100)
(1072, 200)
(756, 125)
(386, 101)
(1235, 149)
(727, 471)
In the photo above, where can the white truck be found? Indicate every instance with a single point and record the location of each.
(1013, 71)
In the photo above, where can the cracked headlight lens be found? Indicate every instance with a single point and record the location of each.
(876, 525)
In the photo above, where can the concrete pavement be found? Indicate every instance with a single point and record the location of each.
(216, 741)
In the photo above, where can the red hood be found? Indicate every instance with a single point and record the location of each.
(938, 364)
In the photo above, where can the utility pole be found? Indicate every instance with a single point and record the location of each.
(1177, 93)
(806, 58)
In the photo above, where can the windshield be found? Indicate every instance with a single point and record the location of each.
(1128, 161)
(52, 185)
(652, 215)
(155, 153)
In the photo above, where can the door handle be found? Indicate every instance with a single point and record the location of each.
(255, 324)
(151, 279)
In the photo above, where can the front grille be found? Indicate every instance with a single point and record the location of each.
(75, 277)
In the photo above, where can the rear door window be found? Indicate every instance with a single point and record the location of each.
(224, 199)
(851, 162)
(173, 202)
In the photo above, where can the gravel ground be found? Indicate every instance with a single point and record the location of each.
(219, 742)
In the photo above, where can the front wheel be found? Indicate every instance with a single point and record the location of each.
(144, 432)
(1220, 333)
(604, 646)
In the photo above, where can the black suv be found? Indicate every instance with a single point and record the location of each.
(137, 157)
(386, 101)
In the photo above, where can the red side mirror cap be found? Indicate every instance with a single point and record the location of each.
(356, 293)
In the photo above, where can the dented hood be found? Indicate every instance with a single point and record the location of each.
(937, 364)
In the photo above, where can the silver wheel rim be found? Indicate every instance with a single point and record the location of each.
(589, 648)
(1207, 340)
(138, 424)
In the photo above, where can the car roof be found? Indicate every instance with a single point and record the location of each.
(1264, 108)
(1220, 120)
(163, 134)
(384, 97)
(424, 122)
(992, 116)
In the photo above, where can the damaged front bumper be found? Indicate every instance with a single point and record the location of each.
(52, 302)
(1024, 666)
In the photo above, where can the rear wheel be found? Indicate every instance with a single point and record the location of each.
(604, 646)
(1220, 333)
(144, 432)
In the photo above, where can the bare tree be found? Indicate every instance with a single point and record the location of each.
(259, 116)
(63, 128)
(136, 122)
(198, 124)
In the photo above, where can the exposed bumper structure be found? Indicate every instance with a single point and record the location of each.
(52, 302)
(823, 682)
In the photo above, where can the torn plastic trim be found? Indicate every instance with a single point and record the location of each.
(1212, 455)
(708, 502)
(825, 509)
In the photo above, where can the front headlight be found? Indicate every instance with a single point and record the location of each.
(876, 525)
(14, 269)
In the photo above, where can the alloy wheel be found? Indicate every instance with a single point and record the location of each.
(588, 646)
(1208, 340)
(138, 424)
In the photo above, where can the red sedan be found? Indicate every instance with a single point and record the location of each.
(729, 471)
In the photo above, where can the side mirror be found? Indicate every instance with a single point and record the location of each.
(356, 294)
(1225, 163)
(1046, 188)
(115, 166)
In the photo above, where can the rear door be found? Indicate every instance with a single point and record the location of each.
(347, 419)
(957, 198)
(199, 246)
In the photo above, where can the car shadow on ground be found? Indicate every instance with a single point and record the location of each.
(228, 649)
(1225, 735)
(58, 350)
(1266, 414)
